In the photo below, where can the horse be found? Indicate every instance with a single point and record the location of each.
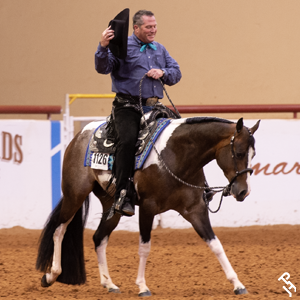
(171, 178)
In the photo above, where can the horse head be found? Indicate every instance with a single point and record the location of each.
(235, 159)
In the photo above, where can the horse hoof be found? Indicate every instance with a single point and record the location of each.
(115, 291)
(44, 282)
(240, 291)
(145, 294)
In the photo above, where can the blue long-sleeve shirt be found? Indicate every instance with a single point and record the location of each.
(127, 73)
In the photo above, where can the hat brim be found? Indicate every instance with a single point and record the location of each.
(118, 45)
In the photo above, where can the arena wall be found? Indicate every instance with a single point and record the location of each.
(230, 52)
(30, 174)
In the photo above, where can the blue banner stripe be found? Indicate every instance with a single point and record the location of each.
(55, 133)
(55, 164)
(56, 178)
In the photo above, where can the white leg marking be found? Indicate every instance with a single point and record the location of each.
(144, 250)
(105, 279)
(56, 261)
(217, 248)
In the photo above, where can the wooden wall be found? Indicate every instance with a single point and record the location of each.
(230, 51)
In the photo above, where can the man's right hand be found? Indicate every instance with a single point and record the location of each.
(107, 35)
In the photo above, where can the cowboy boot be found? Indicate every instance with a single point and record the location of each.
(116, 205)
(124, 206)
(130, 199)
(128, 207)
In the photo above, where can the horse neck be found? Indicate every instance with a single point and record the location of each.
(205, 139)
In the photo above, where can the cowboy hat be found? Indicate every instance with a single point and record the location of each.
(118, 45)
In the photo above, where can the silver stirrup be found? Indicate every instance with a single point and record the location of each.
(120, 201)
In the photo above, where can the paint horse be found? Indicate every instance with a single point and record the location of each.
(184, 147)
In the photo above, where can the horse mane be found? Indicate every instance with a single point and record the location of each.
(215, 119)
(206, 120)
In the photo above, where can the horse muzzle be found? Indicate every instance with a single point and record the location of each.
(240, 190)
(239, 194)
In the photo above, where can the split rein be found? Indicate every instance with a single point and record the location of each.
(217, 189)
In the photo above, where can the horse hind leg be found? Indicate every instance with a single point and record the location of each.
(49, 278)
(62, 261)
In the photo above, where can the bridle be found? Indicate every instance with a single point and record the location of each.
(225, 190)
(238, 173)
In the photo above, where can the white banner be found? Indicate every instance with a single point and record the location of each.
(274, 198)
(30, 175)
(29, 171)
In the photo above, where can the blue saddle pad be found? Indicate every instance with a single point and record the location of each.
(104, 161)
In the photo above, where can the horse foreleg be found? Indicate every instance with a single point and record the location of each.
(49, 278)
(217, 248)
(145, 221)
(100, 238)
(200, 220)
(105, 279)
(144, 250)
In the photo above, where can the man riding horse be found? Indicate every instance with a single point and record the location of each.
(128, 59)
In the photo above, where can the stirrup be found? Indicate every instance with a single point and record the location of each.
(116, 207)
(120, 201)
(111, 212)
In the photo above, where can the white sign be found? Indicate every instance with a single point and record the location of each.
(28, 166)
(30, 174)
(99, 161)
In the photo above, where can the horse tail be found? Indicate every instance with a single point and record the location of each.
(72, 255)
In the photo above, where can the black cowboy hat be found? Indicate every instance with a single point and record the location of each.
(118, 45)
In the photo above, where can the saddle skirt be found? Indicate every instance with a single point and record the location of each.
(100, 151)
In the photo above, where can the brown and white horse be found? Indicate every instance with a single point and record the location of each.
(185, 147)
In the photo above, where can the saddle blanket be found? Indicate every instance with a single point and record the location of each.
(104, 161)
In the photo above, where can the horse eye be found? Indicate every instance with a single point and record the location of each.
(240, 155)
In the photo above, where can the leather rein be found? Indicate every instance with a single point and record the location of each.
(224, 189)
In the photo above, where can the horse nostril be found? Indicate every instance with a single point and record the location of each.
(242, 195)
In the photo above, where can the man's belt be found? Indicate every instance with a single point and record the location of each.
(135, 99)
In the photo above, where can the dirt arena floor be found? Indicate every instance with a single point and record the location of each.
(180, 265)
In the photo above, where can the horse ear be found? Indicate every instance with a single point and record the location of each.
(239, 125)
(255, 127)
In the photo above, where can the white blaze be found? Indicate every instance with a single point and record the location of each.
(250, 156)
